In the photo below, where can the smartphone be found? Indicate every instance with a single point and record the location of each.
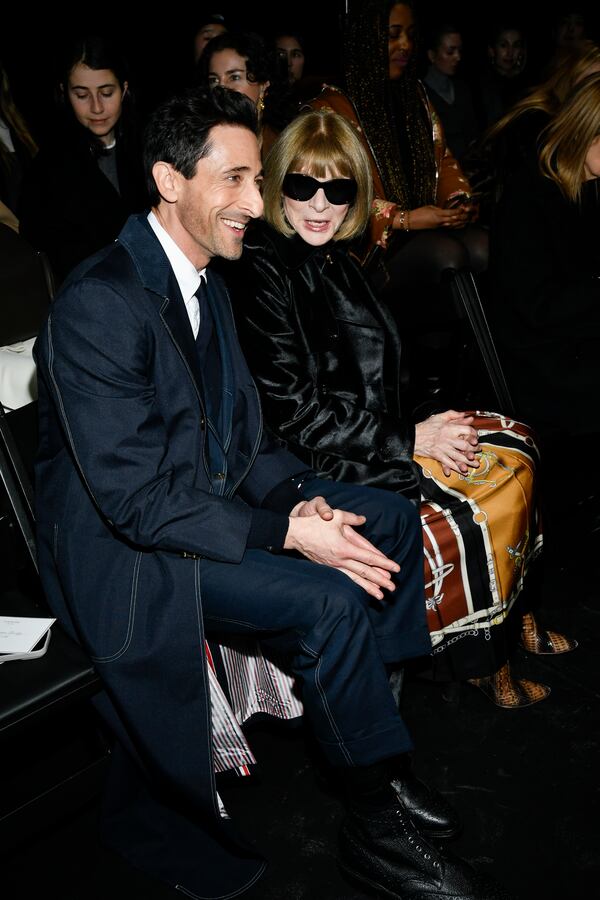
(462, 199)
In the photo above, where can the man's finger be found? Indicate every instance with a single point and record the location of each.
(322, 507)
(365, 551)
(367, 586)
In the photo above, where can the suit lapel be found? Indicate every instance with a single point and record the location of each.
(176, 321)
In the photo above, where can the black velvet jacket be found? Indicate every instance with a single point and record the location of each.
(325, 355)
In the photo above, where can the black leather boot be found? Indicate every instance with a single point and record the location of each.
(429, 810)
(383, 851)
(368, 787)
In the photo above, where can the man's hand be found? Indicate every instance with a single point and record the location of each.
(317, 506)
(335, 543)
(449, 438)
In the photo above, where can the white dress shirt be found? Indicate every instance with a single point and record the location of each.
(187, 275)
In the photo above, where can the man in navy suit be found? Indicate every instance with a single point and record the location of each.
(165, 510)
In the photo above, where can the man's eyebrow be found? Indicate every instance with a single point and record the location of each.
(237, 169)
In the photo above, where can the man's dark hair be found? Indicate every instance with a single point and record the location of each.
(178, 132)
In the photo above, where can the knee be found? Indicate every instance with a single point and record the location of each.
(449, 253)
(477, 243)
(342, 616)
(404, 513)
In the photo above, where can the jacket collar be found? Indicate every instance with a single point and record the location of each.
(156, 275)
(147, 255)
(292, 252)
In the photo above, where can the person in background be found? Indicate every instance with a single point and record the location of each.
(422, 206)
(450, 96)
(210, 27)
(87, 177)
(17, 146)
(502, 149)
(292, 46)
(504, 80)
(545, 309)
(242, 62)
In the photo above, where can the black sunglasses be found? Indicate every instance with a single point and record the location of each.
(339, 191)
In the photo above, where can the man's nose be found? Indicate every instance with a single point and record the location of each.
(253, 201)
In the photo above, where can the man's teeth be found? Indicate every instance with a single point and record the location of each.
(238, 225)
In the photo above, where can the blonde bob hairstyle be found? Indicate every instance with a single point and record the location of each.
(322, 144)
(551, 95)
(566, 141)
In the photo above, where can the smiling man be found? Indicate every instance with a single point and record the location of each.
(160, 504)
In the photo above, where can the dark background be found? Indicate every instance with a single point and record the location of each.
(158, 39)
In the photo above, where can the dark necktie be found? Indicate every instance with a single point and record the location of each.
(203, 309)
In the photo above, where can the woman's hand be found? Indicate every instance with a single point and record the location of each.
(434, 217)
(449, 438)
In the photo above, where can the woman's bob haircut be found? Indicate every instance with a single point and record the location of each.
(566, 141)
(322, 144)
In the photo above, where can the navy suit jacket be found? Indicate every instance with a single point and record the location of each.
(126, 503)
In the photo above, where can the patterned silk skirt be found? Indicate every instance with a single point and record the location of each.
(480, 532)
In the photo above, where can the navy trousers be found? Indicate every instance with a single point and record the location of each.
(337, 638)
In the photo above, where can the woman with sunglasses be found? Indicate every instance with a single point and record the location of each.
(325, 354)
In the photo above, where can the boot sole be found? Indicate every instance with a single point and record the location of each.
(361, 879)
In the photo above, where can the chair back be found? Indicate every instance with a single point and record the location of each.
(26, 288)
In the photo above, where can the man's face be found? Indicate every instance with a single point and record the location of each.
(215, 205)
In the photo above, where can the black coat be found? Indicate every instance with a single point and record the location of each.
(69, 208)
(326, 357)
(545, 314)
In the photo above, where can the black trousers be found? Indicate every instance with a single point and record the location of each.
(337, 637)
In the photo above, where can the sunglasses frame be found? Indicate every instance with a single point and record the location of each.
(291, 184)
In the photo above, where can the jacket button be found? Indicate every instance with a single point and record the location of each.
(202, 422)
(219, 476)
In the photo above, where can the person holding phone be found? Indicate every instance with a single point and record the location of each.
(415, 218)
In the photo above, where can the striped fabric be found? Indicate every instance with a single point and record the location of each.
(480, 531)
(254, 685)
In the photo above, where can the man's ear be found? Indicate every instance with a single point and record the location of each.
(166, 179)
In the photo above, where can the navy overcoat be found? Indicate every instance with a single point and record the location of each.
(126, 504)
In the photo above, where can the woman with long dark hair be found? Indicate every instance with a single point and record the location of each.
(17, 146)
(87, 179)
(422, 207)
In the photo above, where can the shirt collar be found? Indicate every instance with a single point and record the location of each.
(187, 276)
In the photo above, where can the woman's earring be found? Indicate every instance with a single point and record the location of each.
(260, 104)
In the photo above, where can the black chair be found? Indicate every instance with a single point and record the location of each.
(26, 288)
(463, 288)
(52, 750)
(449, 355)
